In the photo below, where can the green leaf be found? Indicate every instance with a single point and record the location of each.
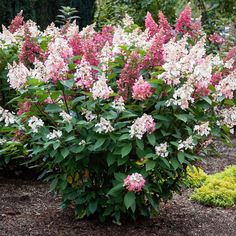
(99, 143)
(183, 117)
(129, 199)
(124, 137)
(150, 165)
(56, 145)
(65, 152)
(93, 206)
(181, 158)
(126, 149)
(53, 108)
(207, 99)
(140, 144)
(119, 176)
(151, 139)
(68, 127)
(114, 191)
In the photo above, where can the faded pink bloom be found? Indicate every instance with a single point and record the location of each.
(141, 90)
(151, 25)
(129, 74)
(134, 182)
(155, 54)
(165, 27)
(16, 23)
(216, 78)
(30, 50)
(24, 107)
(216, 38)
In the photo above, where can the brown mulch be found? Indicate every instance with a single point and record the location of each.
(27, 208)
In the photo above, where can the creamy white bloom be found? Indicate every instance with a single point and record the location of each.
(162, 150)
(55, 134)
(202, 129)
(82, 142)
(89, 116)
(229, 64)
(39, 71)
(187, 144)
(7, 117)
(65, 116)
(2, 141)
(119, 105)
(227, 117)
(183, 96)
(100, 88)
(142, 125)
(35, 124)
(104, 126)
(17, 75)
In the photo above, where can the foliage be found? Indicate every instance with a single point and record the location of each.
(115, 117)
(218, 190)
(67, 15)
(113, 11)
(196, 177)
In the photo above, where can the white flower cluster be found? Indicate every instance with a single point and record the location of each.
(187, 144)
(228, 117)
(139, 127)
(227, 85)
(100, 88)
(162, 150)
(82, 142)
(106, 56)
(89, 116)
(65, 116)
(2, 141)
(35, 123)
(229, 64)
(7, 117)
(39, 71)
(83, 74)
(55, 134)
(182, 96)
(119, 105)
(104, 126)
(17, 75)
(202, 129)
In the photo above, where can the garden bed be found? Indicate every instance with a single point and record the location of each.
(27, 208)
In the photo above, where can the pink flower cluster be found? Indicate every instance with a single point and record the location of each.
(141, 90)
(216, 38)
(16, 23)
(184, 24)
(30, 50)
(134, 182)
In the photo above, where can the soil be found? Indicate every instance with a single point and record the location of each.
(28, 209)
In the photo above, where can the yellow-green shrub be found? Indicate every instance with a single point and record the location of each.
(196, 176)
(218, 190)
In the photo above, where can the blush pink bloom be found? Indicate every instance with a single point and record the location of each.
(216, 38)
(216, 78)
(141, 90)
(134, 182)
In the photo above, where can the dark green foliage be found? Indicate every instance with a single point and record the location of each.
(44, 11)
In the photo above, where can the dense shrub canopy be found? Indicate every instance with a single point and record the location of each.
(115, 117)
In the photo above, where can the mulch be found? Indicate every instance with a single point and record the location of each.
(27, 208)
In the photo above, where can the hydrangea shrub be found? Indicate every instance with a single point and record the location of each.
(115, 117)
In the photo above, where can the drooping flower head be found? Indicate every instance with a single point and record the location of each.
(134, 182)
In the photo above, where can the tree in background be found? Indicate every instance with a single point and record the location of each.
(45, 11)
